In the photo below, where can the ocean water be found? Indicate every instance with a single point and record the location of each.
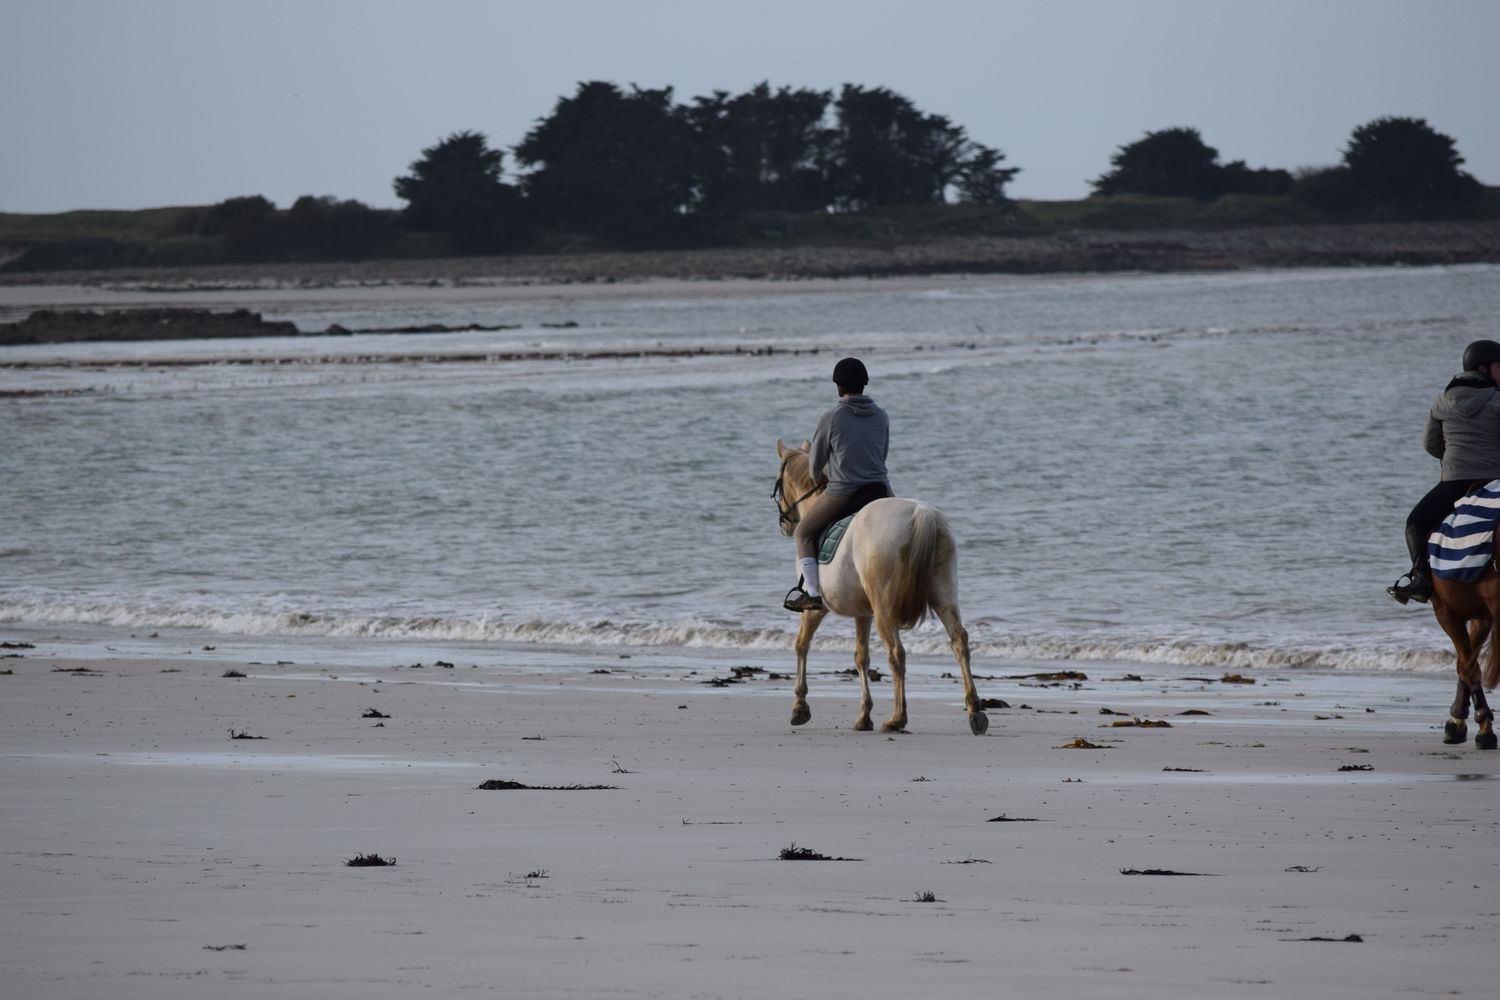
(1209, 471)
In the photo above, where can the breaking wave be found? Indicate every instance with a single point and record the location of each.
(927, 640)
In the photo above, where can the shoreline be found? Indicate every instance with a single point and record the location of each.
(1078, 251)
(1326, 839)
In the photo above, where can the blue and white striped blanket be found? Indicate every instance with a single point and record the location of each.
(1464, 543)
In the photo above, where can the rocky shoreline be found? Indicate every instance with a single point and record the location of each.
(1416, 243)
(51, 320)
(48, 326)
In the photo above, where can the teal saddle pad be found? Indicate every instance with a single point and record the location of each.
(831, 538)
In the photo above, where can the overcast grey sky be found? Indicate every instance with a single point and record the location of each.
(145, 103)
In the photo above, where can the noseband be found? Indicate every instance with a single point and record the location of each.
(779, 494)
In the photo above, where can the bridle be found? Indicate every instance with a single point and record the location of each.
(779, 494)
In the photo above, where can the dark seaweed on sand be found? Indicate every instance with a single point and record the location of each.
(501, 785)
(795, 853)
(368, 861)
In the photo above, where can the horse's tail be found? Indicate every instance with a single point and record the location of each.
(929, 544)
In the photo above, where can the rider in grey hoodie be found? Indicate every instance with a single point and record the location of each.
(847, 453)
(1463, 432)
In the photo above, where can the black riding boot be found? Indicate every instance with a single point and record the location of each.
(1418, 586)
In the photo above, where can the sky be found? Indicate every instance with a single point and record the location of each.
(125, 104)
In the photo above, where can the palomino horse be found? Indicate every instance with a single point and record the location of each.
(1469, 613)
(896, 562)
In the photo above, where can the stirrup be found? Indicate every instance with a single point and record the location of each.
(1408, 592)
(803, 601)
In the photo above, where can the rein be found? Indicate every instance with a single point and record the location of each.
(779, 493)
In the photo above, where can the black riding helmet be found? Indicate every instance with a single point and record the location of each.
(850, 373)
(1476, 355)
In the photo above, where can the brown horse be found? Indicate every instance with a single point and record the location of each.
(897, 562)
(1470, 614)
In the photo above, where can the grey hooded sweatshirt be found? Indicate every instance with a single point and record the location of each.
(849, 446)
(1463, 429)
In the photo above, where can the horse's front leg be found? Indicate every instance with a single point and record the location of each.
(1456, 729)
(896, 655)
(862, 661)
(810, 621)
(958, 638)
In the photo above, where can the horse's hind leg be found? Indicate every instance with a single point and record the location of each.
(1465, 641)
(810, 621)
(1485, 718)
(862, 661)
(958, 638)
(896, 655)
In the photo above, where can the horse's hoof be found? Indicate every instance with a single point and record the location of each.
(1485, 741)
(863, 726)
(979, 723)
(893, 727)
(1455, 732)
(800, 715)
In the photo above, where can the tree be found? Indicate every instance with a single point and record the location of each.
(876, 132)
(982, 180)
(889, 153)
(1240, 179)
(1174, 162)
(455, 188)
(1405, 159)
(327, 227)
(1177, 163)
(248, 226)
(759, 151)
(611, 162)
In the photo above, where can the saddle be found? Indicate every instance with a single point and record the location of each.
(828, 541)
(1463, 546)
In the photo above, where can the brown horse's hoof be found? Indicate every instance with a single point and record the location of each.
(1455, 731)
(979, 723)
(800, 715)
(1485, 741)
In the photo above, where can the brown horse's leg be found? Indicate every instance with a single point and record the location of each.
(1483, 716)
(896, 655)
(1485, 739)
(958, 638)
(1456, 729)
(810, 621)
(862, 661)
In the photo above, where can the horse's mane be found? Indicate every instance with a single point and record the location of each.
(798, 470)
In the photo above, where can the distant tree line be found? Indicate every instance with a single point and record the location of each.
(251, 228)
(1400, 161)
(634, 168)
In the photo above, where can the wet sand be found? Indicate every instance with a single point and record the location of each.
(1320, 839)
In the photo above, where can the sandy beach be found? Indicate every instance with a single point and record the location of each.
(179, 810)
(1320, 838)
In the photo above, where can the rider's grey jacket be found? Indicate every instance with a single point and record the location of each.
(849, 446)
(1463, 429)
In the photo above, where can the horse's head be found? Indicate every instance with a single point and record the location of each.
(793, 484)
